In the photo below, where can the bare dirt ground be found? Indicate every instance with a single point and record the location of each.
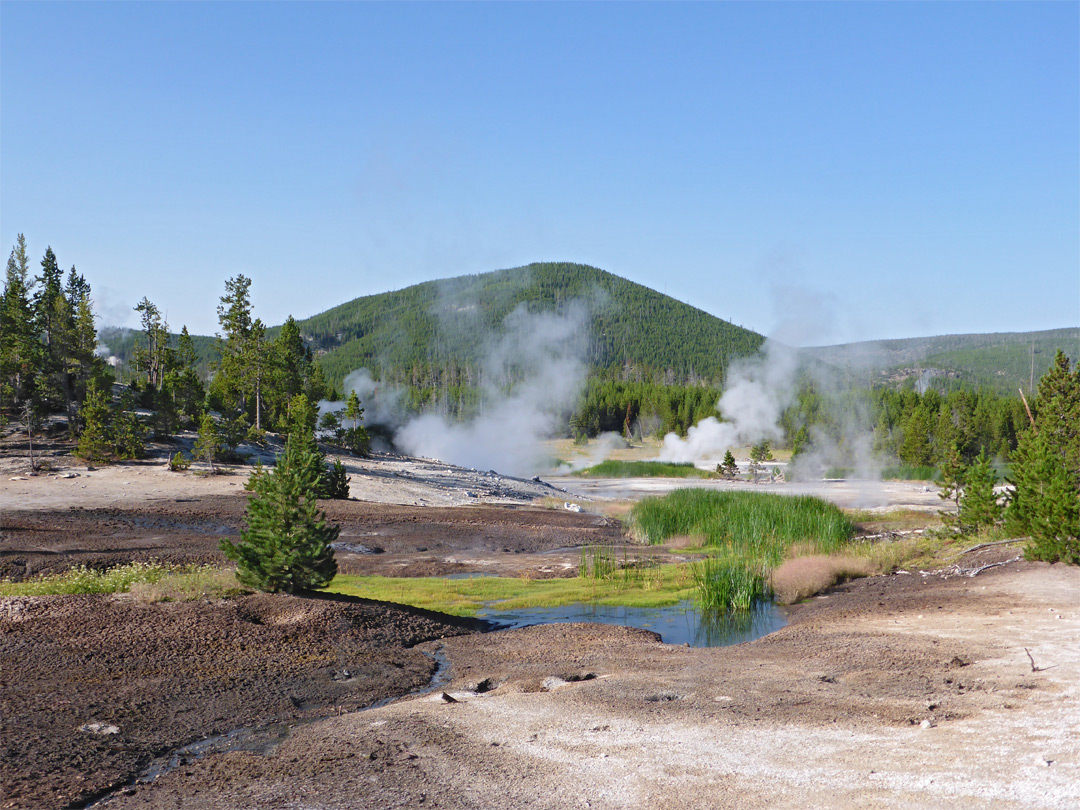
(908, 690)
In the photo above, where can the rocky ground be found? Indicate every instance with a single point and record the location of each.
(910, 690)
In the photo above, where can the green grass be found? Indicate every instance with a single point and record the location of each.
(612, 468)
(729, 584)
(153, 581)
(755, 525)
(656, 586)
(896, 472)
(747, 534)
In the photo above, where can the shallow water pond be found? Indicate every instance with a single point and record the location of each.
(683, 623)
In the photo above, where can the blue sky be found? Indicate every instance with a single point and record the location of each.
(822, 171)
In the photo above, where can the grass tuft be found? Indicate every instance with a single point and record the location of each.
(613, 468)
(729, 584)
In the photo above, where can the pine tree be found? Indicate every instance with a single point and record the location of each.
(286, 544)
(229, 386)
(208, 444)
(979, 505)
(128, 433)
(1044, 503)
(728, 468)
(152, 358)
(187, 389)
(356, 437)
(1045, 499)
(953, 477)
(95, 441)
(20, 350)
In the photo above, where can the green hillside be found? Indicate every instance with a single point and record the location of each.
(1000, 361)
(437, 326)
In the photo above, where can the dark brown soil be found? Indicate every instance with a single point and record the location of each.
(167, 674)
(189, 530)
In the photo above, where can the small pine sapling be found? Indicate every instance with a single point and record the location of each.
(286, 544)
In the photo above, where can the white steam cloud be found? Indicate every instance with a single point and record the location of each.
(758, 391)
(532, 376)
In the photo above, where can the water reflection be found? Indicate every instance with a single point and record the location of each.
(683, 623)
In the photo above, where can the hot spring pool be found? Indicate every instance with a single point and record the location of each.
(683, 623)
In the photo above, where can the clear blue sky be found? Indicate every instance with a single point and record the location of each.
(871, 169)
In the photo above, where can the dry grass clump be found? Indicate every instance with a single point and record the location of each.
(684, 541)
(185, 585)
(803, 577)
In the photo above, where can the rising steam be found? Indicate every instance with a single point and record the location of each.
(758, 391)
(531, 376)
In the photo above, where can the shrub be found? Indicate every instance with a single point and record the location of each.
(179, 462)
(334, 483)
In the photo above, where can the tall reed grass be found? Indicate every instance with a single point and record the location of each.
(746, 535)
(613, 468)
(724, 583)
(755, 525)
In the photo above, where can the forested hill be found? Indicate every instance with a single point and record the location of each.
(446, 326)
(1000, 361)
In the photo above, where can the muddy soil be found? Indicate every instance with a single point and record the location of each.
(920, 689)
(94, 687)
(375, 538)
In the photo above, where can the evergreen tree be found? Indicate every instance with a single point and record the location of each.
(1045, 500)
(229, 387)
(728, 468)
(915, 447)
(49, 313)
(286, 544)
(208, 444)
(187, 389)
(128, 433)
(20, 350)
(355, 436)
(153, 358)
(95, 441)
(258, 368)
(1044, 505)
(1057, 411)
(953, 475)
(979, 505)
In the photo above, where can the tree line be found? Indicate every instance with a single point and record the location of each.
(50, 364)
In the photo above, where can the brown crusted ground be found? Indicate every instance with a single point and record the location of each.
(170, 673)
(827, 712)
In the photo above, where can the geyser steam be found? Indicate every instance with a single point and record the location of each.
(757, 392)
(531, 377)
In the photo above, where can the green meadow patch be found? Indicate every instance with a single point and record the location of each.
(660, 586)
(611, 468)
(756, 525)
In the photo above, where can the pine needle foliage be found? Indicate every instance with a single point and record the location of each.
(286, 545)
